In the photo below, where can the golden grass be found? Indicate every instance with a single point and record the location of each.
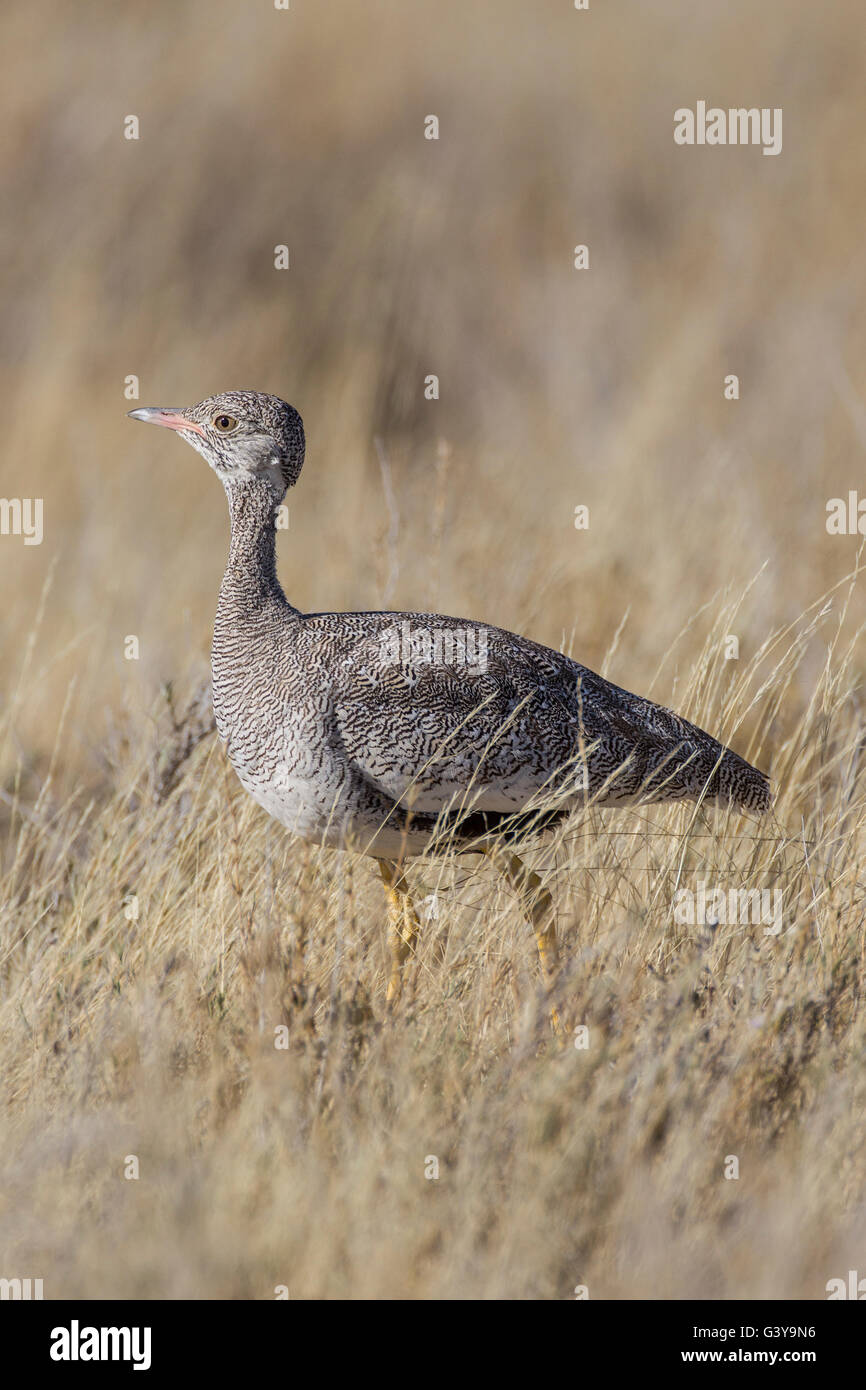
(155, 927)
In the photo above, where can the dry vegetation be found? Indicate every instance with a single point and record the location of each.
(155, 927)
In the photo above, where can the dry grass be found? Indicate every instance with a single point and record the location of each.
(155, 927)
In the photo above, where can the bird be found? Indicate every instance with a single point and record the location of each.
(397, 734)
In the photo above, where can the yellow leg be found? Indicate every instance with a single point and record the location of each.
(403, 927)
(537, 905)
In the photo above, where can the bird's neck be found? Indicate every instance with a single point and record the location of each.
(250, 586)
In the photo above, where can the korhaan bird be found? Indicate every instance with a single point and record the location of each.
(396, 733)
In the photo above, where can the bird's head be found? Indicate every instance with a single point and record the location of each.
(245, 436)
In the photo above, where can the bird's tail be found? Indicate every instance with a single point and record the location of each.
(671, 759)
(699, 767)
(730, 780)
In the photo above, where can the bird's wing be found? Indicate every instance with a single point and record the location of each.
(435, 711)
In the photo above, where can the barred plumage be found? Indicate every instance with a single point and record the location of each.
(384, 732)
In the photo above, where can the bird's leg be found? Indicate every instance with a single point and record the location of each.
(404, 925)
(537, 906)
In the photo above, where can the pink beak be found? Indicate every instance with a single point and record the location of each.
(160, 415)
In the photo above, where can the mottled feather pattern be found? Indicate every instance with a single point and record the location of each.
(400, 743)
(351, 740)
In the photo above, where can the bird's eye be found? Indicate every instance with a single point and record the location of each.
(225, 423)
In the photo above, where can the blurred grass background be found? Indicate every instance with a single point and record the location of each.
(605, 387)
